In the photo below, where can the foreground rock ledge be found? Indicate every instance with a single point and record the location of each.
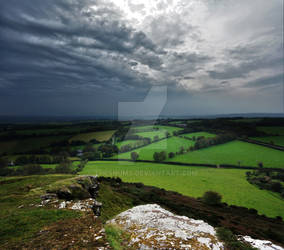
(151, 226)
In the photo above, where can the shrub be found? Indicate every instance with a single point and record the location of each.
(160, 156)
(276, 187)
(260, 165)
(212, 198)
(134, 156)
(231, 240)
(171, 155)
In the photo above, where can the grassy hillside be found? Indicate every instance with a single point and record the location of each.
(197, 134)
(272, 130)
(171, 144)
(22, 223)
(99, 136)
(30, 144)
(158, 127)
(151, 134)
(230, 153)
(126, 142)
(193, 181)
(277, 140)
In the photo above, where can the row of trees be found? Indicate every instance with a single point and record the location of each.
(203, 142)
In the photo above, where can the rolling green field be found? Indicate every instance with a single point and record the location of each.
(83, 146)
(277, 140)
(152, 134)
(197, 134)
(160, 128)
(193, 181)
(171, 144)
(272, 130)
(52, 166)
(126, 142)
(230, 153)
(99, 136)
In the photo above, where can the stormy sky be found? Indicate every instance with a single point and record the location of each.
(192, 57)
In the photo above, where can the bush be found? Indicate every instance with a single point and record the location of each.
(134, 156)
(231, 241)
(171, 155)
(212, 198)
(276, 187)
(160, 156)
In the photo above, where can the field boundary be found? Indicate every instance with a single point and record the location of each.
(262, 144)
(198, 164)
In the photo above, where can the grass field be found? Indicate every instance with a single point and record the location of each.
(272, 130)
(171, 144)
(193, 181)
(197, 134)
(230, 153)
(99, 136)
(30, 144)
(277, 140)
(83, 146)
(161, 134)
(162, 129)
(74, 165)
(126, 142)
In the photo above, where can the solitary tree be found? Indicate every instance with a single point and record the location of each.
(260, 165)
(134, 156)
(212, 198)
(171, 155)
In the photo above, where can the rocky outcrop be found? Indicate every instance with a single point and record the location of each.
(79, 194)
(260, 244)
(152, 227)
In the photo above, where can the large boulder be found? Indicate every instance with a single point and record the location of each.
(152, 227)
(79, 188)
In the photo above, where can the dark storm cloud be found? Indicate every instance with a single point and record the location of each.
(109, 50)
(60, 45)
(245, 67)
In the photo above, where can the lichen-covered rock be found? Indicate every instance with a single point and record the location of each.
(83, 188)
(152, 227)
(260, 244)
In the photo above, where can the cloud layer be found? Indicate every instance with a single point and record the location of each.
(111, 51)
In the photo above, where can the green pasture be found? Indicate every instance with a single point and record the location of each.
(193, 181)
(171, 144)
(197, 134)
(247, 154)
(99, 136)
(126, 142)
(275, 140)
(272, 130)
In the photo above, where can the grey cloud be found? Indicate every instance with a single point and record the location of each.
(266, 81)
